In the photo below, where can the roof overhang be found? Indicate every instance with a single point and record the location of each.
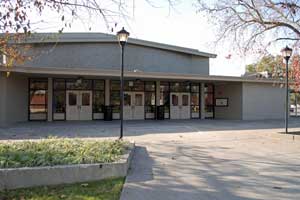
(130, 74)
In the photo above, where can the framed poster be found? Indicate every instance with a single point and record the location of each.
(221, 102)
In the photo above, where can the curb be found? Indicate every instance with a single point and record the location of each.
(13, 178)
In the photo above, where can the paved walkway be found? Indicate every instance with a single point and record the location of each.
(103, 129)
(254, 163)
(196, 160)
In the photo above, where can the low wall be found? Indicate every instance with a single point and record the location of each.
(39, 176)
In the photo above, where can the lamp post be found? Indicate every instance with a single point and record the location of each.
(286, 53)
(122, 37)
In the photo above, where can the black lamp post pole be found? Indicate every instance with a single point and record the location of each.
(287, 94)
(122, 91)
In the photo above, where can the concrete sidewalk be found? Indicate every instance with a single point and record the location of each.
(227, 165)
(105, 129)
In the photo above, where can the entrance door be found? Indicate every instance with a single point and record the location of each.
(185, 110)
(174, 107)
(180, 106)
(134, 105)
(79, 105)
(138, 109)
(128, 104)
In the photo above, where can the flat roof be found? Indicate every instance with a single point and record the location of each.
(103, 37)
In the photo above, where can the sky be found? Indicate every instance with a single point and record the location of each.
(180, 26)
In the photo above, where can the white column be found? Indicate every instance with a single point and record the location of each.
(107, 92)
(157, 93)
(50, 95)
(202, 101)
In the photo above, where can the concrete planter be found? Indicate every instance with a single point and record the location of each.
(13, 178)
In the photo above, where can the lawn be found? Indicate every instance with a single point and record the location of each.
(109, 189)
(59, 151)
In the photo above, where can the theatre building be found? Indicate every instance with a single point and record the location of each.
(76, 76)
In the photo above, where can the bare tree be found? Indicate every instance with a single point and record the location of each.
(252, 24)
(16, 17)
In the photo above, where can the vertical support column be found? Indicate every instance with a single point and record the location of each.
(202, 101)
(50, 95)
(107, 92)
(3, 97)
(157, 95)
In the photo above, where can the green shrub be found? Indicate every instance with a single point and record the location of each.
(54, 151)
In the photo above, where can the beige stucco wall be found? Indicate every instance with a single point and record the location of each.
(13, 99)
(232, 91)
(107, 56)
(263, 101)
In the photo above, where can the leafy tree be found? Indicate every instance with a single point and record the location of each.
(269, 63)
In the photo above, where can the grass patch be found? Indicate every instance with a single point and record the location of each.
(109, 189)
(59, 151)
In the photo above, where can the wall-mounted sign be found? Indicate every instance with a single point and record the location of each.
(221, 102)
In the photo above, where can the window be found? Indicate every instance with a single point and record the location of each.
(127, 100)
(295, 104)
(38, 99)
(150, 86)
(82, 84)
(59, 84)
(85, 99)
(134, 86)
(185, 100)
(180, 87)
(115, 85)
(98, 96)
(72, 99)
(164, 99)
(209, 100)
(174, 100)
(195, 100)
(164, 87)
(98, 101)
(150, 99)
(115, 95)
(195, 87)
(59, 101)
(99, 85)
